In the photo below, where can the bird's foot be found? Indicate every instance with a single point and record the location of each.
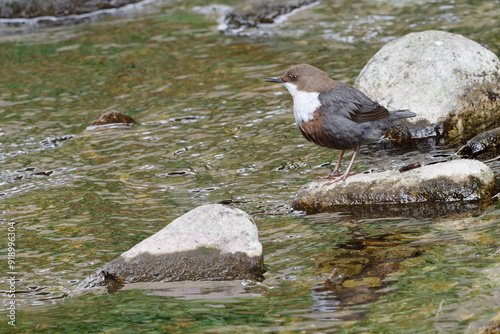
(328, 177)
(337, 178)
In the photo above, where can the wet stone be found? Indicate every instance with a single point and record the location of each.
(456, 181)
(114, 117)
(211, 243)
(483, 146)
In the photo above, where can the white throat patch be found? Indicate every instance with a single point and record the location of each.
(304, 103)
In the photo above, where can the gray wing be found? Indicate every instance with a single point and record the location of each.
(351, 103)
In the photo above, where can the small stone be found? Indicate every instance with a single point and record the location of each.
(114, 117)
(483, 146)
(448, 182)
(212, 242)
(410, 167)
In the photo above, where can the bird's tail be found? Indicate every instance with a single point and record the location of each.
(398, 114)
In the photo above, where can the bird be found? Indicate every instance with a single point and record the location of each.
(335, 115)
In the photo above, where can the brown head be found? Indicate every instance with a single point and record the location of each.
(306, 78)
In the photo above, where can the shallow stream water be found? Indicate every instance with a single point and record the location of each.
(210, 130)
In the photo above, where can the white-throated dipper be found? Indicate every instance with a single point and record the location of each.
(335, 115)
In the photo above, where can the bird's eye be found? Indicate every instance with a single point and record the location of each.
(293, 78)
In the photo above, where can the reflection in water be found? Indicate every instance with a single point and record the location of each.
(213, 291)
(360, 269)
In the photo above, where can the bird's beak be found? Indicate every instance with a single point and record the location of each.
(274, 79)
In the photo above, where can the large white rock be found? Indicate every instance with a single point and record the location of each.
(429, 72)
(212, 243)
(214, 225)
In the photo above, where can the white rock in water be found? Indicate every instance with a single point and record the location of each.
(428, 73)
(210, 243)
(214, 225)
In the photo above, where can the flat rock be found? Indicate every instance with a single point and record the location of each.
(446, 79)
(212, 242)
(448, 182)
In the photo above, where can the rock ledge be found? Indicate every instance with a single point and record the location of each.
(452, 181)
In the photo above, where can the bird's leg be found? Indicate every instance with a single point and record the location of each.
(348, 171)
(336, 171)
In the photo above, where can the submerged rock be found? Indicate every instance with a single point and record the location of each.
(257, 14)
(37, 8)
(114, 117)
(483, 146)
(452, 181)
(450, 82)
(212, 242)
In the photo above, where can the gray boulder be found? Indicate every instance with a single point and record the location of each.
(448, 182)
(446, 79)
(212, 242)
